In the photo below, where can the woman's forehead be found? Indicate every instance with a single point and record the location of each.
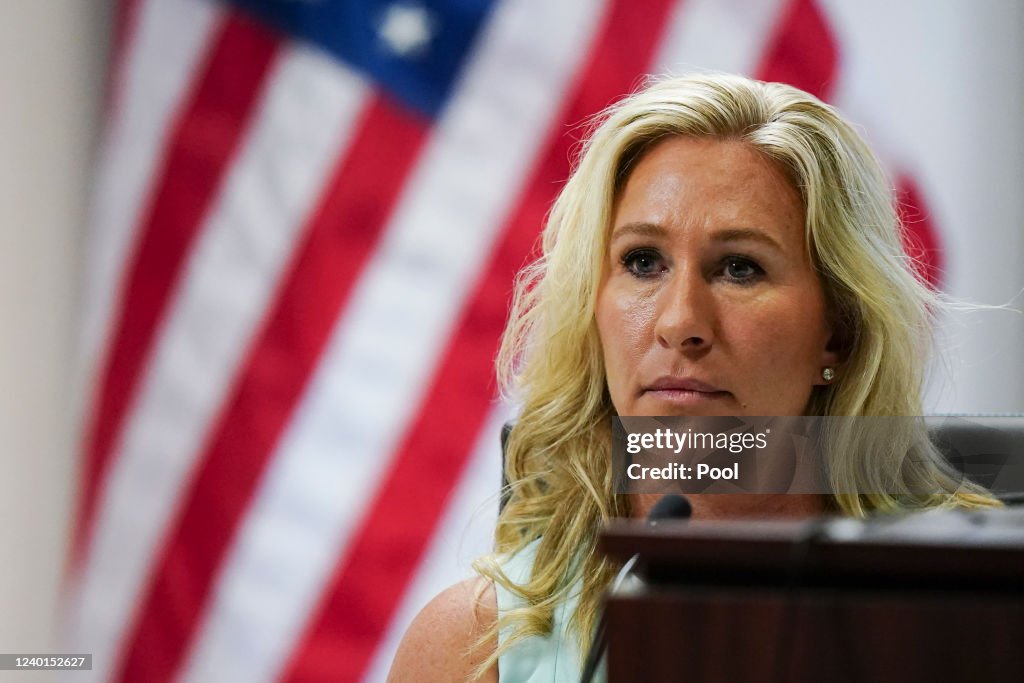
(719, 184)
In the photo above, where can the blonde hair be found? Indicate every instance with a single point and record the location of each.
(558, 460)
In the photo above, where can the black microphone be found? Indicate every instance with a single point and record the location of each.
(672, 506)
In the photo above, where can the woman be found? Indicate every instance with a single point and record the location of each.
(725, 247)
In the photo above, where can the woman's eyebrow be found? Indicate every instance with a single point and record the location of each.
(741, 234)
(641, 229)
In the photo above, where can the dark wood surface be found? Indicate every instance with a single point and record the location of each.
(783, 601)
(830, 551)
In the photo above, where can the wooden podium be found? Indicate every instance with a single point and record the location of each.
(934, 597)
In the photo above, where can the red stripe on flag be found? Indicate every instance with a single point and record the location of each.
(205, 135)
(802, 51)
(383, 555)
(125, 14)
(126, 19)
(920, 236)
(337, 245)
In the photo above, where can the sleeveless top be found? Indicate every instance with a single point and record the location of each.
(537, 659)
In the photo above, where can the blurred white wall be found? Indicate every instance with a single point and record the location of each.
(52, 68)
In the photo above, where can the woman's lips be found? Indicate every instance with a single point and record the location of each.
(684, 391)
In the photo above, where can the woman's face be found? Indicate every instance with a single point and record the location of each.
(709, 304)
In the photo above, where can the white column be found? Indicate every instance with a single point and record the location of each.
(52, 69)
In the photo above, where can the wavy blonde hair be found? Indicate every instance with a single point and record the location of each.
(558, 459)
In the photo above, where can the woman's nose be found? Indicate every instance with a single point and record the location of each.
(685, 313)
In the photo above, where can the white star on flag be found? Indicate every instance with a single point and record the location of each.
(406, 29)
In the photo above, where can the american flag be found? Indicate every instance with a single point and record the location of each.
(306, 223)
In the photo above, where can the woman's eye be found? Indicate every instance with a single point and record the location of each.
(642, 262)
(741, 269)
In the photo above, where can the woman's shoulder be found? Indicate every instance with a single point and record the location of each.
(440, 643)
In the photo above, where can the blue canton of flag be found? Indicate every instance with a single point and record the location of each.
(414, 50)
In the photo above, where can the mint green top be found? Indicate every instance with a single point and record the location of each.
(554, 657)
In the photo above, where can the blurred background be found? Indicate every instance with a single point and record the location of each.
(257, 257)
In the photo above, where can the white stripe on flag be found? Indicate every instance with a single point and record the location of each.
(171, 38)
(298, 134)
(718, 35)
(859, 89)
(378, 362)
(465, 532)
